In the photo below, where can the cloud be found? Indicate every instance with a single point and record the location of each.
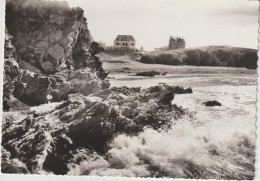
(241, 13)
(151, 22)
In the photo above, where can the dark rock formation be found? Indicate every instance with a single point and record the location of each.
(50, 64)
(9, 165)
(180, 90)
(148, 74)
(50, 53)
(47, 35)
(167, 98)
(47, 138)
(212, 103)
(205, 56)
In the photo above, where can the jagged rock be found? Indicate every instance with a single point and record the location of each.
(52, 61)
(95, 48)
(35, 89)
(52, 67)
(179, 90)
(167, 98)
(187, 91)
(56, 53)
(28, 66)
(89, 122)
(212, 103)
(164, 87)
(49, 35)
(28, 22)
(11, 75)
(11, 165)
(12, 104)
(66, 52)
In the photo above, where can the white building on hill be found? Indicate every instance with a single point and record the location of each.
(125, 41)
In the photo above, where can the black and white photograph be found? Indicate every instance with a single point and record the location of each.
(130, 88)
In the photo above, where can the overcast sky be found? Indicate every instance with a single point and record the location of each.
(152, 22)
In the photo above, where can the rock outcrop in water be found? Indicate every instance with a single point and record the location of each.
(148, 74)
(212, 103)
(59, 109)
(205, 56)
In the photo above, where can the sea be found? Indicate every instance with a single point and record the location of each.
(215, 143)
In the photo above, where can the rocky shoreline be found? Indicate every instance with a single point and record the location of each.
(58, 107)
(62, 116)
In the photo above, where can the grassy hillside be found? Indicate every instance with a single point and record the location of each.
(205, 56)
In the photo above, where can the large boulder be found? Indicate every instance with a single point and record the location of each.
(49, 53)
(44, 32)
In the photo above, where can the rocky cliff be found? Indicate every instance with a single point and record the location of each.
(205, 56)
(58, 108)
(54, 52)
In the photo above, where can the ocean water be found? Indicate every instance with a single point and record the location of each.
(218, 142)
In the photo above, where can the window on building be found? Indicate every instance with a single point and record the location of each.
(117, 44)
(126, 44)
(133, 44)
(117, 39)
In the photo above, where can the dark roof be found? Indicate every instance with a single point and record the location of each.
(125, 37)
